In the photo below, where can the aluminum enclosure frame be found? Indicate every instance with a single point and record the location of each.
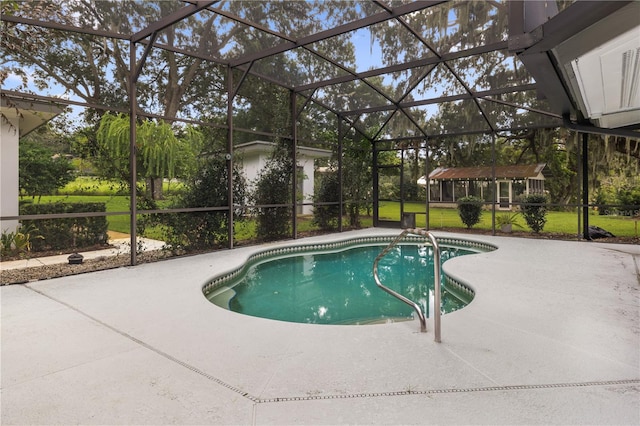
(533, 32)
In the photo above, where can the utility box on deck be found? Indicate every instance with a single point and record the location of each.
(408, 220)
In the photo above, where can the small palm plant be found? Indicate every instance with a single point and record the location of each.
(506, 221)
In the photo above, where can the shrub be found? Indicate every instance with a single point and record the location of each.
(66, 233)
(630, 201)
(413, 191)
(272, 187)
(206, 188)
(534, 211)
(326, 216)
(602, 199)
(470, 210)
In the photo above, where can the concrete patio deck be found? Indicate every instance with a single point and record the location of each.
(552, 337)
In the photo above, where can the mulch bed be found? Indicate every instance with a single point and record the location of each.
(43, 272)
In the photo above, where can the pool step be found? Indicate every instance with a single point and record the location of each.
(222, 296)
(376, 320)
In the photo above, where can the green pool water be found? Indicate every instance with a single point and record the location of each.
(338, 287)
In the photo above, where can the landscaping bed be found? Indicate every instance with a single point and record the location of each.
(43, 272)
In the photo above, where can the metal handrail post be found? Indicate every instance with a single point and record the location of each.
(416, 307)
(437, 283)
(437, 290)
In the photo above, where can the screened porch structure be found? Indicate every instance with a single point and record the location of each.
(448, 184)
(388, 79)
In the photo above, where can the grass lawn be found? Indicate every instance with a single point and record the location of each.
(557, 222)
(89, 185)
(439, 218)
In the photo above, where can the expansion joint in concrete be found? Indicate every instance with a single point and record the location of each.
(257, 400)
(149, 347)
(456, 390)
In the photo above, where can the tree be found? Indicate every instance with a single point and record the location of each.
(96, 69)
(272, 187)
(357, 176)
(41, 171)
(328, 191)
(156, 144)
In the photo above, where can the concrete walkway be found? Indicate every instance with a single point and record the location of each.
(119, 246)
(552, 337)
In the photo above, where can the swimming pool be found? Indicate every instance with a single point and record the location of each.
(333, 283)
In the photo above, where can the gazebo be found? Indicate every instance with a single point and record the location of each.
(447, 184)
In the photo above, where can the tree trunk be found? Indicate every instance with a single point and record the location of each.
(154, 188)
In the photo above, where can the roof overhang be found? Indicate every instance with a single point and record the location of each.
(263, 147)
(586, 61)
(30, 113)
(601, 65)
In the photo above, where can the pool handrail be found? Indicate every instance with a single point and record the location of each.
(437, 285)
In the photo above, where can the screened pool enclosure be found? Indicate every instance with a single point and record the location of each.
(155, 96)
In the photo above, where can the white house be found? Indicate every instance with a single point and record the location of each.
(255, 155)
(18, 117)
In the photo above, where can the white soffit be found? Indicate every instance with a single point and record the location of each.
(608, 76)
(602, 66)
(30, 113)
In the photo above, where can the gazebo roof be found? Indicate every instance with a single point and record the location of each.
(523, 171)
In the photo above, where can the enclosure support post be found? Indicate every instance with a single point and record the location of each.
(340, 175)
(495, 184)
(229, 156)
(294, 176)
(374, 170)
(132, 153)
(403, 186)
(579, 171)
(585, 187)
(427, 182)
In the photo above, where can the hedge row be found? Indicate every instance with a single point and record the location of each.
(76, 233)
